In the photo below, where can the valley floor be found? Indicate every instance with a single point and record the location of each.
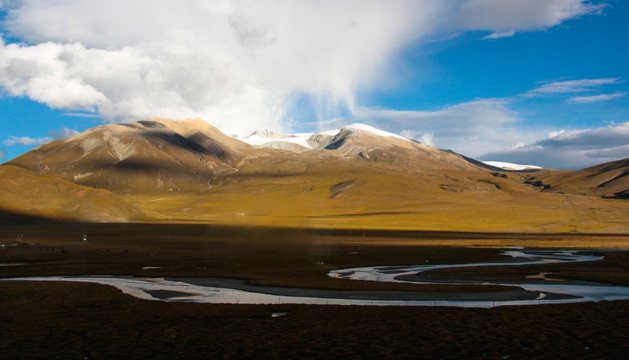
(68, 320)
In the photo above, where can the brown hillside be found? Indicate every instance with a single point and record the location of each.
(148, 156)
(408, 153)
(609, 180)
(189, 171)
(25, 195)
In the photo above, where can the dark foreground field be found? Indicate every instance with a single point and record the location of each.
(76, 321)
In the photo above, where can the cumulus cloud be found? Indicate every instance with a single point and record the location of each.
(26, 141)
(29, 141)
(231, 63)
(571, 149)
(234, 63)
(427, 138)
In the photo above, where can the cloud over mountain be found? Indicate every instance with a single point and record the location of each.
(572, 149)
(233, 63)
(467, 127)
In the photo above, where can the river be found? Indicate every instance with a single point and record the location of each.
(533, 291)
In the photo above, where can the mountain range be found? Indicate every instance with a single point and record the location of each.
(357, 176)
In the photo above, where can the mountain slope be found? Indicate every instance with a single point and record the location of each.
(366, 142)
(355, 177)
(161, 155)
(145, 156)
(28, 195)
(610, 180)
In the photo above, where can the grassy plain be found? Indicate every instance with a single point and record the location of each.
(382, 198)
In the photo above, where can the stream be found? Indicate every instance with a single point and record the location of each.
(532, 291)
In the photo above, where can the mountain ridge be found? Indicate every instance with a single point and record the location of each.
(177, 154)
(187, 170)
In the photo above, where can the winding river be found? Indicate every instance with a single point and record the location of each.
(533, 291)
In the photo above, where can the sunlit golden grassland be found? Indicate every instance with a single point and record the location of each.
(31, 194)
(451, 201)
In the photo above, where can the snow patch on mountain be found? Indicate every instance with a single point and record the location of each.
(373, 130)
(263, 137)
(510, 166)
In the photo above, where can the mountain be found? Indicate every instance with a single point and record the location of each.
(271, 139)
(150, 155)
(359, 140)
(511, 166)
(354, 177)
(28, 196)
(608, 180)
(189, 155)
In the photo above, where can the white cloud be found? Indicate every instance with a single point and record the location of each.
(233, 63)
(596, 98)
(466, 116)
(26, 141)
(29, 141)
(572, 86)
(82, 115)
(506, 17)
(471, 128)
(426, 138)
(3, 154)
(571, 149)
(63, 133)
(499, 35)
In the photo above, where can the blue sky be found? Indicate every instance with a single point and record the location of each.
(541, 82)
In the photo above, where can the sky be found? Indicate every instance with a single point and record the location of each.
(535, 82)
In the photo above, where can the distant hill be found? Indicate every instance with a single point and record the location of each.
(608, 180)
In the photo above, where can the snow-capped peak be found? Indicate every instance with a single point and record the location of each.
(510, 166)
(268, 134)
(264, 136)
(373, 130)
